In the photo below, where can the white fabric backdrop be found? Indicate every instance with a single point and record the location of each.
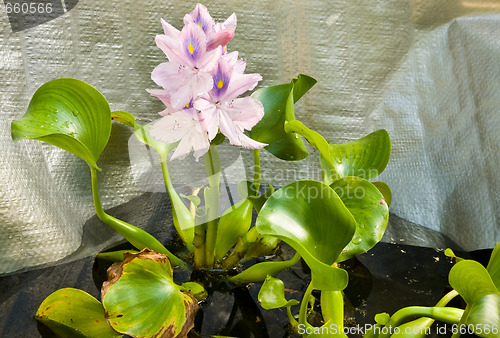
(428, 71)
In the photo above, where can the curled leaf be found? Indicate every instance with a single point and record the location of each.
(278, 104)
(272, 294)
(74, 313)
(69, 114)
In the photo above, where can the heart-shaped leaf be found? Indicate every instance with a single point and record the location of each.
(278, 104)
(311, 218)
(272, 294)
(366, 157)
(233, 224)
(367, 205)
(471, 280)
(74, 313)
(484, 316)
(141, 299)
(69, 114)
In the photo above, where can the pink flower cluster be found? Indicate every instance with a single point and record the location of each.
(201, 84)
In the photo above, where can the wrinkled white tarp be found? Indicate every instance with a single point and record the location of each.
(428, 71)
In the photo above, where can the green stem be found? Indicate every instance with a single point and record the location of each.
(257, 173)
(199, 245)
(244, 243)
(332, 307)
(461, 323)
(258, 272)
(182, 218)
(447, 298)
(304, 304)
(212, 203)
(293, 322)
(137, 237)
(443, 314)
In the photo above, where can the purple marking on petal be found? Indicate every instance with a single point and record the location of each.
(202, 18)
(221, 79)
(192, 48)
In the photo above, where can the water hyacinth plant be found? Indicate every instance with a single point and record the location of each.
(326, 222)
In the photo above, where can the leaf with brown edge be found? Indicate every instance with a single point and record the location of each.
(141, 299)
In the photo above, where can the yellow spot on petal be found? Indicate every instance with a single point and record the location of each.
(191, 49)
(220, 84)
(199, 24)
(187, 105)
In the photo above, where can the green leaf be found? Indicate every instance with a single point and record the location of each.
(449, 253)
(69, 114)
(471, 280)
(74, 313)
(196, 289)
(233, 224)
(367, 205)
(311, 218)
(196, 200)
(278, 104)
(494, 266)
(141, 299)
(366, 157)
(484, 316)
(385, 190)
(272, 294)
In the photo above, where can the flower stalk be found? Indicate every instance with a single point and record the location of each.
(212, 202)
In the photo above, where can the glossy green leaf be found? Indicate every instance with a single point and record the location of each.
(484, 316)
(366, 157)
(385, 190)
(494, 266)
(311, 218)
(367, 205)
(272, 294)
(141, 299)
(471, 280)
(74, 313)
(233, 224)
(69, 114)
(278, 104)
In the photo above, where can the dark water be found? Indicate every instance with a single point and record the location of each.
(387, 278)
